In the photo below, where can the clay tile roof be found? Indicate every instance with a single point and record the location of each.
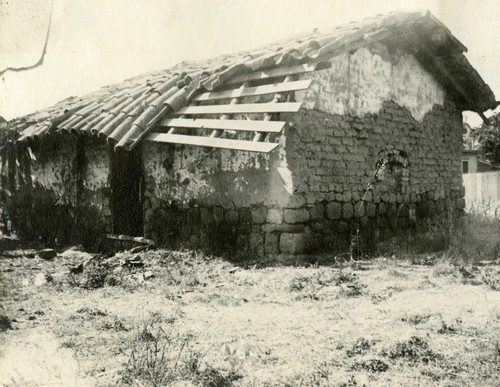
(124, 113)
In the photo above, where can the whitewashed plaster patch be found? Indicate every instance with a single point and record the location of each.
(359, 83)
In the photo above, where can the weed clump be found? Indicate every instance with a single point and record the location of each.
(310, 285)
(491, 277)
(360, 347)
(372, 365)
(415, 350)
(416, 319)
(96, 275)
(161, 357)
(92, 312)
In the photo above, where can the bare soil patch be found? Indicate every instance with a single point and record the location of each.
(182, 318)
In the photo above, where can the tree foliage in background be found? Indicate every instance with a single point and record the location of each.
(488, 137)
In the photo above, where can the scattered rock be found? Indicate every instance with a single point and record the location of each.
(148, 274)
(76, 269)
(465, 273)
(139, 277)
(135, 261)
(39, 312)
(138, 249)
(47, 254)
(77, 253)
(117, 270)
(5, 323)
(42, 279)
(31, 318)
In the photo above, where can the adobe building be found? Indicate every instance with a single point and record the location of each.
(293, 148)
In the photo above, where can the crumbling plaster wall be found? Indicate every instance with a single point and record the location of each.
(312, 193)
(67, 199)
(53, 167)
(206, 196)
(359, 83)
(96, 170)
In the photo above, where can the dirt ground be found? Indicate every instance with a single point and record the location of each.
(181, 318)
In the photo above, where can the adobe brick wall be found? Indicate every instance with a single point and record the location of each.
(312, 194)
(333, 159)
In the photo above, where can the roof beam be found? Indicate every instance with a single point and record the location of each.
(279, 72)
(239, 125)
(253, 91)
(212, 142)
(289, 107)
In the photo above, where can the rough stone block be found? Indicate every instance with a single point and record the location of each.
(259, 215)
(300, 215)
(296, 201)
(333, 210)
(341, 227)
(460, 203)
(347, 211)
(295, 243)
(148, 215)
(245, 216)
(218, 214)
(323, 227)
(359, 209)
(371, 210)
(205, 216)
(231, 217)
(283, 227)
(317, 211)
(257, 243)
(271, 244)
(431, 207)
(274, 215)
(193, 215)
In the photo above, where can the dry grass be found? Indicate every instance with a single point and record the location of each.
(204, 321)
(404, 319)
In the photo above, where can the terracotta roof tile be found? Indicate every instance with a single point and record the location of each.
(124, 112)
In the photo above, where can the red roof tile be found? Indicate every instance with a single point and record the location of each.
(125, 113)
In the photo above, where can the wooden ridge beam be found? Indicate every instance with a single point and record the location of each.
(239, 125)
(253, 91)
(289, 107)
(279, 72)
(212, 142)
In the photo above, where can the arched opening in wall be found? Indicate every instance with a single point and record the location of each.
(392, 170)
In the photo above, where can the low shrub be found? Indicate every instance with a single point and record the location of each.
(414, 350)
(360, 347)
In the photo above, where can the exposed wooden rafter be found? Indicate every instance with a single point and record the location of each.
(280, 72)
(238, 125)
(212, 142)
(290, 107)
(253, 91)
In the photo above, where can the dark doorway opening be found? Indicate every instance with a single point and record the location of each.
(126, 187)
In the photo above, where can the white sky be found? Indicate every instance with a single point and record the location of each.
(94, 43)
